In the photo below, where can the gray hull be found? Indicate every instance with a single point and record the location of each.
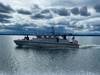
(46, 44)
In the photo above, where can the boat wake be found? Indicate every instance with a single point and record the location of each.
(89, 46)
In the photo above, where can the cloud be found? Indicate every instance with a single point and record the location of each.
(44, 14)
(5, 18)
(75, 11)
(62, 18)
(5, 8)
(39, 13)
(4, 21)
(88, 24)
(30, 29)
(97, 8)
(23, 29)
(36, 8)
(45, 11)
(91, 2)
(24, 12)
(96, 27)
(85, 26)
(49, 13)
(41, 16)
(72, 3)
(59, 21)
(84, 11)
(61, 11)
(62, 2)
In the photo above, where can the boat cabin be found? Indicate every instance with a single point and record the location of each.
(58, 38)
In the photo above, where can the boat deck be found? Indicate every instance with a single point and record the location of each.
(46, 43)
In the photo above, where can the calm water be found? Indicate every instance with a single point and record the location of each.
(18, 61)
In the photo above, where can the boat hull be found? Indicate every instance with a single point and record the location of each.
(42, 44)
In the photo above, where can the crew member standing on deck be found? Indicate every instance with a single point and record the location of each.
(73, 38)
(26, 38)
(74, 41)
(57, 39)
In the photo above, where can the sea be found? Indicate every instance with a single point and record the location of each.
(30, 61)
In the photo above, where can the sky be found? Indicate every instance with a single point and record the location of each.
(28, 3)
(34, 16)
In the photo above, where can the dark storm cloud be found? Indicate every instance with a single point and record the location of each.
(97, 8)
(75, 11)
(41, 16)
(5, 8)
(4, 16)
(84, 11)
(50, 12)
(24, 12)
(44, 14)
(61, 11)
(4, 21)
(45, 11)
(39, 13)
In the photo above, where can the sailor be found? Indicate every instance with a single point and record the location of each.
(74, 41)
(57, 39)
(64, 37)
(44, 36)
(26, 38)
(73, 38)
(39, 36)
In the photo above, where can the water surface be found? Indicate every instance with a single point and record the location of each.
(28, 61)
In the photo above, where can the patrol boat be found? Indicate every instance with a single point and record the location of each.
(59, 42)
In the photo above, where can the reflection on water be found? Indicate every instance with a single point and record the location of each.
(29, 61)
